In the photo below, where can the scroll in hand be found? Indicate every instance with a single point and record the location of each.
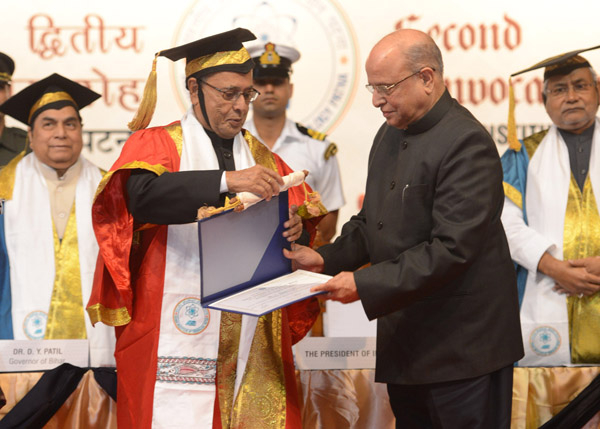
(243, 200)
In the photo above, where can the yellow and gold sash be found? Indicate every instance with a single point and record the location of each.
(261, 401)
(66, 318)
(581, 240)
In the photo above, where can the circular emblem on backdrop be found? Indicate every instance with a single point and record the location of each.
(189, 316)
(544, 341)
(325, 77)
(34, 325)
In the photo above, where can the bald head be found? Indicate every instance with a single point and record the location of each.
(406, 70)
(412, 48)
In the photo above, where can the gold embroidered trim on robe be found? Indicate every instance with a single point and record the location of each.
(513, 194)
(229, 340)
(157, 169)
(176, 134)
(8, 176)
(261, 401)
(66, 318)
(581, 239)
(533, 141)
(108, 316)
(261, 154)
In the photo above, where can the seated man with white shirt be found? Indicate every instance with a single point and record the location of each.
(47, 244)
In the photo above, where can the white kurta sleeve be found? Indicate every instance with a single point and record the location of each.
(526, 245)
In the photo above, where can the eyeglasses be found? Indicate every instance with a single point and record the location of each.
(387, 89)
(563, 90)
(230, 94)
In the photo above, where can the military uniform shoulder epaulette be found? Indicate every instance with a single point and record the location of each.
(331, 149)
(311, 133)
(532, 142)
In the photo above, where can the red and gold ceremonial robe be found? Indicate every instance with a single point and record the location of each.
(176, 361)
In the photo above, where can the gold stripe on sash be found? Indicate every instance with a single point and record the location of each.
(261, 154)
(582, 239)
(66, 319)
(261, 401)
(229, 340)
(513, 194)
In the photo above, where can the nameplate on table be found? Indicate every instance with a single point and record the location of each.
(41, 355)
(336, 353)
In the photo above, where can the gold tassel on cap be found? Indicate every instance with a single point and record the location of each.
(145, 110)
(513, 141)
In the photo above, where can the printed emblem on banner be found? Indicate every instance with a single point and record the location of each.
(189, 316)
(325, 77)
(544, 341)
(34, 325)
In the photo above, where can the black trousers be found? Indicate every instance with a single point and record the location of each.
(480, 402)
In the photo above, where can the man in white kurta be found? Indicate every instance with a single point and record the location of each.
(551, 219)
(48, 240)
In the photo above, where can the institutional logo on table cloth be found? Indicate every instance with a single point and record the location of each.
(189, 316)
(326, 75)
(545, 340)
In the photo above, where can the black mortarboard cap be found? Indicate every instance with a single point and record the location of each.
(53, 92)
(273, 60)
(221, 52)
(7, 68)
(212, 54)
(561, 64)
(558, 65)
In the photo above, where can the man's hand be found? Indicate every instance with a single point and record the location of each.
(577, 277)
(304, 258)
(591, 265)
(341, 288)
(259, 180)
(294, 225)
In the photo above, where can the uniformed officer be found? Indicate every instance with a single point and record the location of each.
(300, 147)
(12, 140)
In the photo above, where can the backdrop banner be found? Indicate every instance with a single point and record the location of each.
(109, 46)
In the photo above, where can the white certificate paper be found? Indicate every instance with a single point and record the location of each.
(269, 296)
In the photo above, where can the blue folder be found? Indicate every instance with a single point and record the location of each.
(239, 250)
